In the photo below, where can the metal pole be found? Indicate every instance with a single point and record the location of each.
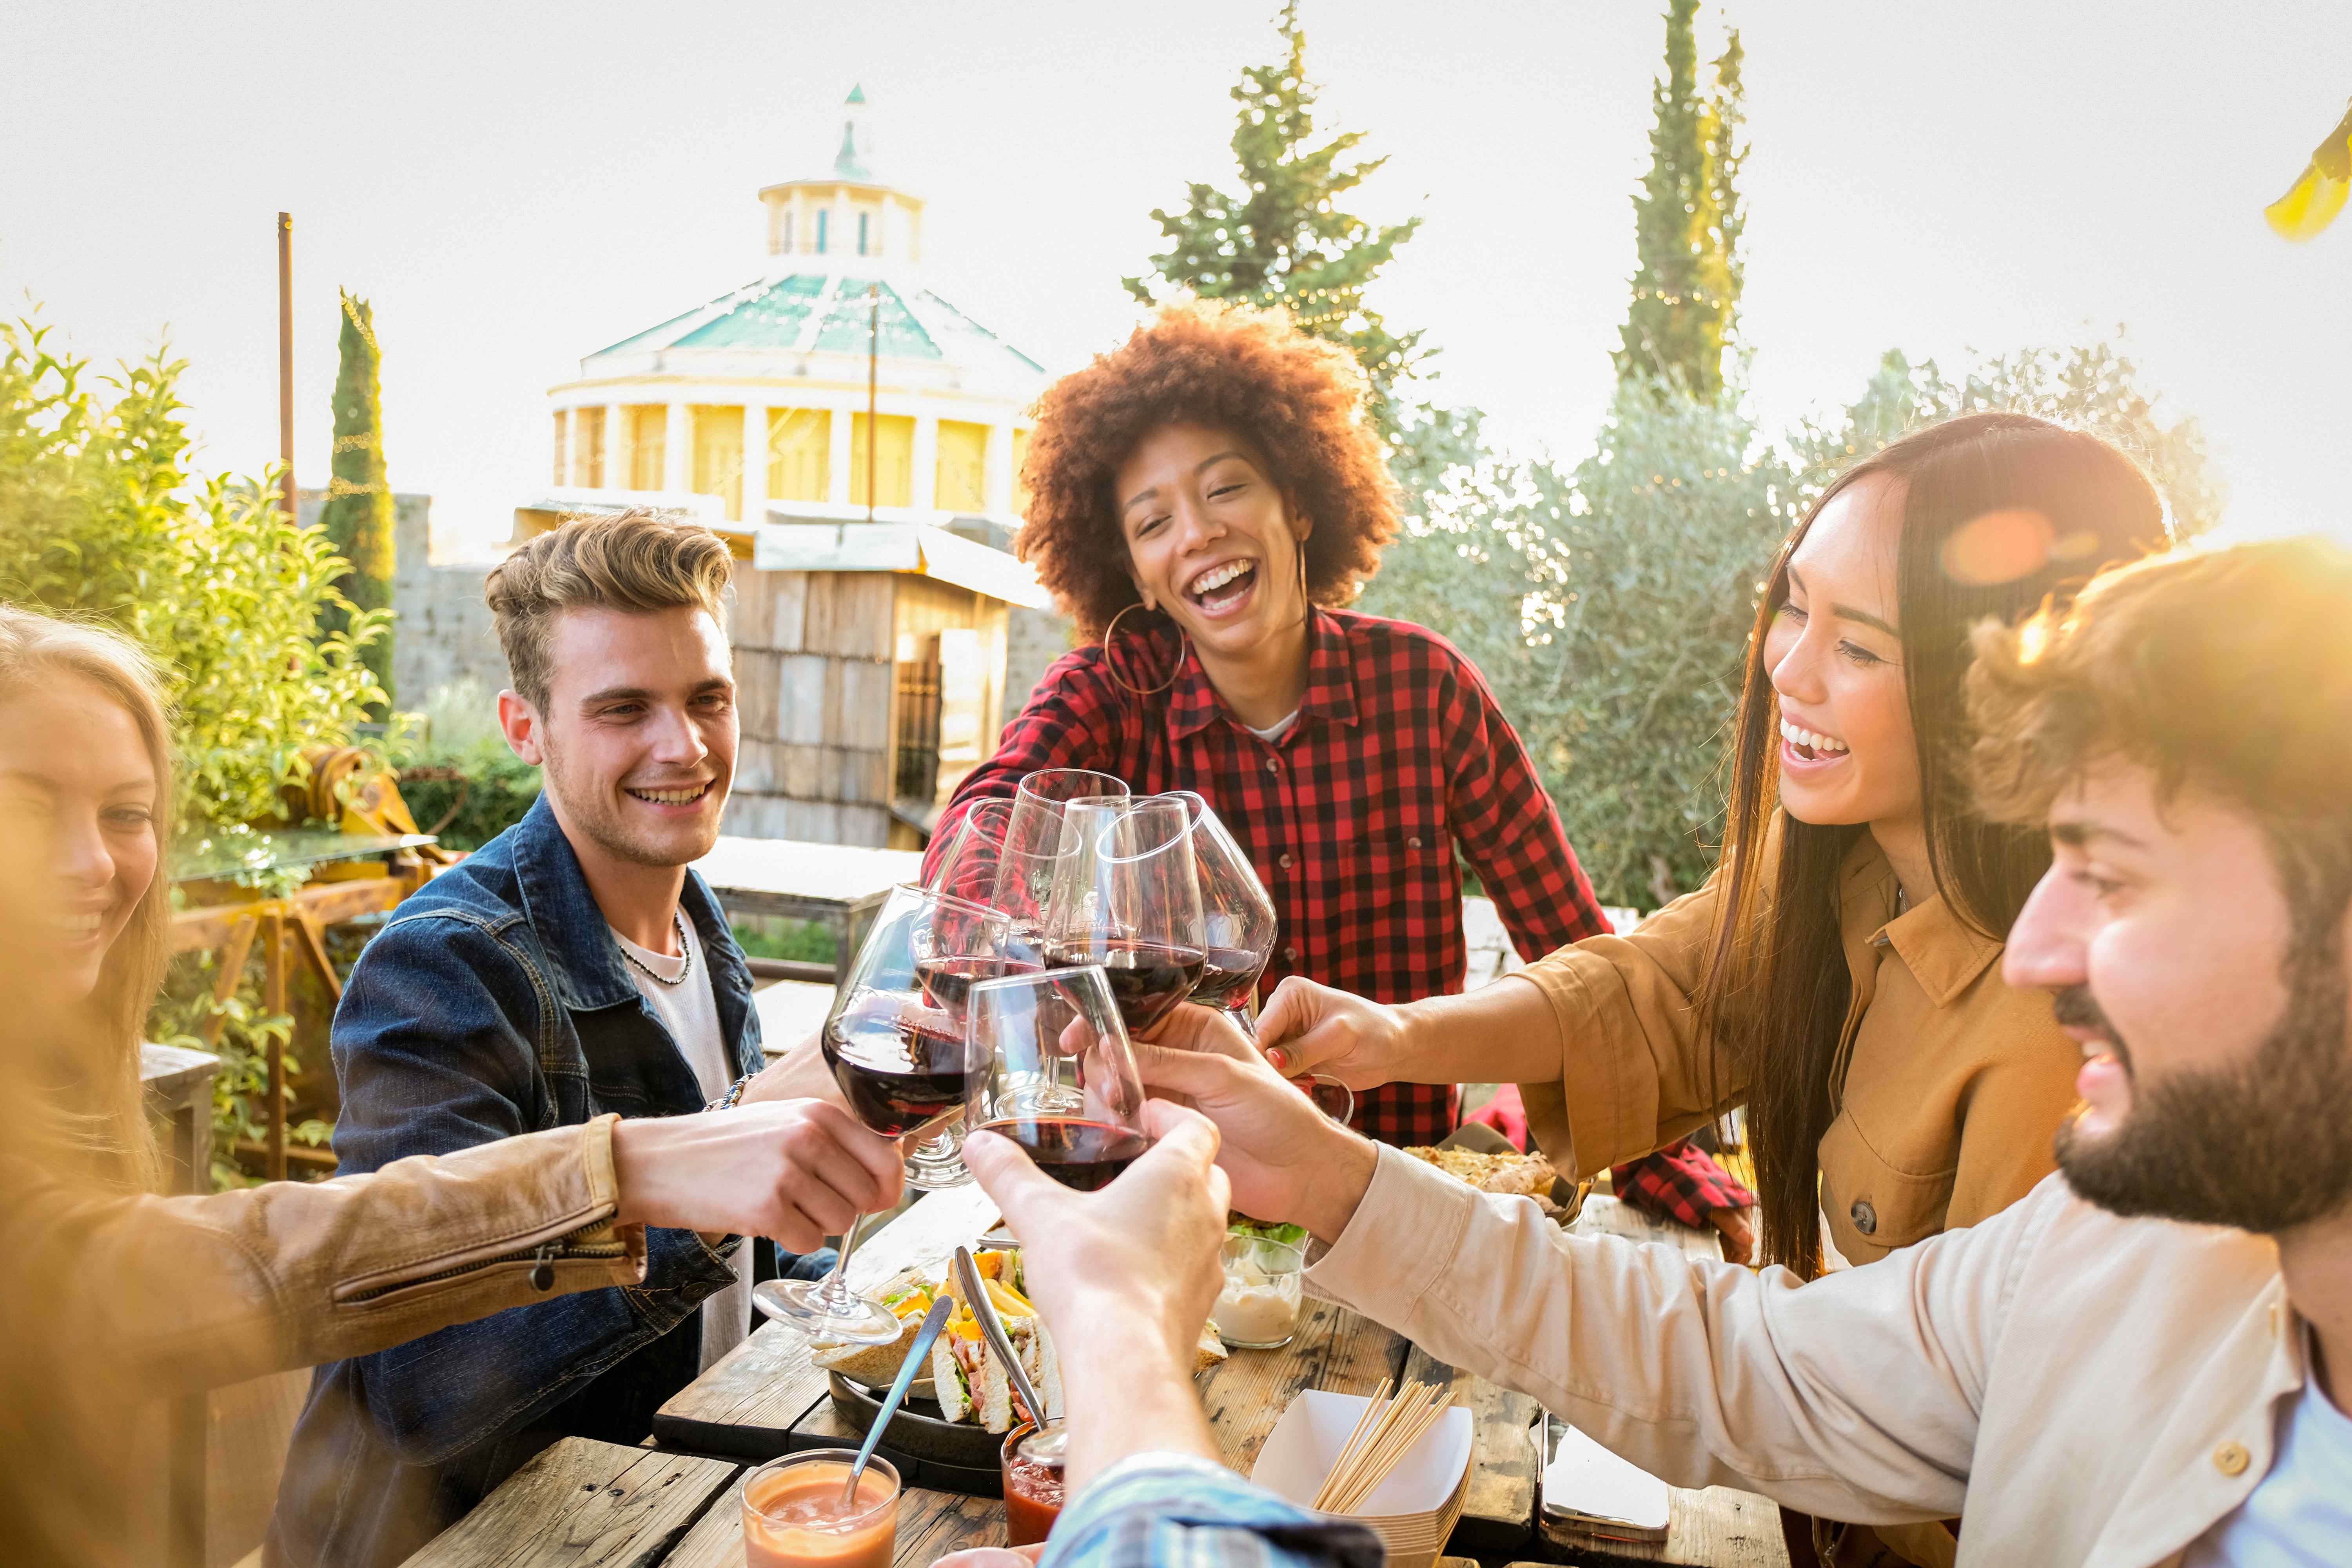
(873, 377)
(285, 357)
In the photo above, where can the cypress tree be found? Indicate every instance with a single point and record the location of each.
(1283, 238)
(1686, 221)
(358, 513)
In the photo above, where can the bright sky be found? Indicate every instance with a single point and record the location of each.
(517, 185)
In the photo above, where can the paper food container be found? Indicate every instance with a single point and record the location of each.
(1414, 1511)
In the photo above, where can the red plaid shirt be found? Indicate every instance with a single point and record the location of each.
(1352, 818)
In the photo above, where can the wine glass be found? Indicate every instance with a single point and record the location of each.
(1005, 857)
(894, 1041)
(1237, 915)
(1130, 903)
(1047, 1064)
(1240, 925)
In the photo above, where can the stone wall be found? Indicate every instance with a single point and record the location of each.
(442, 641)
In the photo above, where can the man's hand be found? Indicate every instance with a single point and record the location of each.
(1287, 1160)
(794, 1170)
(1125, 1277)
(1310, 1028)
(799, 1074)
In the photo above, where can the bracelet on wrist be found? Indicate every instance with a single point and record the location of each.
(734, 1092)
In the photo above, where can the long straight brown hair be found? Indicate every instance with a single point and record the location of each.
(86, 1103)
(2001, 512)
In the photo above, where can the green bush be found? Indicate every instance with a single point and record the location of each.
(108, 518)
(496, 789)
(802, 942)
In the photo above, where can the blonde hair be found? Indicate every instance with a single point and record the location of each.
(634, 560)
(101, 1116)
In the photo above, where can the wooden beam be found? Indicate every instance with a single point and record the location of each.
(315, 940)
(225, 980)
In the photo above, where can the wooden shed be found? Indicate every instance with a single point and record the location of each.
(870, 660)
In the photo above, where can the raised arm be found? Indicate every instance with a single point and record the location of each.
(1066, 723)
(1855, 1396)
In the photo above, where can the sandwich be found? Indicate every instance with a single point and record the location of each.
(910, 1294)
(967, 1380)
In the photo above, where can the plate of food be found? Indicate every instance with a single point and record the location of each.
(1508, 1173)
(959, 1407)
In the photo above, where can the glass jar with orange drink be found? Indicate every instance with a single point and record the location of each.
(794, 1516)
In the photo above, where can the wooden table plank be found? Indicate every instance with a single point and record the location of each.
(1716, 1528)
(930, 1525)
(1334, 1349)
(747, 1404)
(1505, 1470)
(583, 1502)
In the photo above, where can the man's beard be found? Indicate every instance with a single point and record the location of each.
(2264, 1144)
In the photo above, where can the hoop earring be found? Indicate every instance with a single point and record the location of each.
(1115, 674)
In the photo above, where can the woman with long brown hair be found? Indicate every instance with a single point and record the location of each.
(1839, 973)
(114, 1296)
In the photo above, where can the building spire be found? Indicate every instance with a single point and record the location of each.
(857, 142)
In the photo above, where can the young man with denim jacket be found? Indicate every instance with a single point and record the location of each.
(571, 967)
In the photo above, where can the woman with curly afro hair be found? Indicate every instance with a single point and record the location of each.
(1205, 499)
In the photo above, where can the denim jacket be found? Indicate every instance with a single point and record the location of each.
(496, 1002)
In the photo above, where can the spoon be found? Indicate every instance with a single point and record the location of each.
(1044, 1447)
(917, 1358)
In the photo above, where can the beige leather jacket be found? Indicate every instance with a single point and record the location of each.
(168, 1294)
(1953, 1083)
(2097, 1391)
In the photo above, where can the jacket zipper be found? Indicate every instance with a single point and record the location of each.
(541, 1258)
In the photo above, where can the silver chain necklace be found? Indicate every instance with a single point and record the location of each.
(683, 946)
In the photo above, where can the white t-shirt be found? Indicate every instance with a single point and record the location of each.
(1275, 731)
(2300, 1514)
(690, 1012)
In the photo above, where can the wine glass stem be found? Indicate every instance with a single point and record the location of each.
(1245, 1016)
(836, 1284)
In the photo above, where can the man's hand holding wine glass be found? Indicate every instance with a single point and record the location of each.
(1125, 1276)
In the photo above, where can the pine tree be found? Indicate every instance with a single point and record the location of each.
(1283, 239)
(1686, 221)
(359, 513)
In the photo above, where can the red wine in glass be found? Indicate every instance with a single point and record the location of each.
(1086, 1155)
(1147, 978)
(948, 981)
(1227, 977)
(897, 1076)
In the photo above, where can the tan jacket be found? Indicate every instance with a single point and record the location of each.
(1953, 1087)
(2098, 1390)
(179, 1293)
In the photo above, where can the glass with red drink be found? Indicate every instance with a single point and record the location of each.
(1047, 1064)
(1033, 1486)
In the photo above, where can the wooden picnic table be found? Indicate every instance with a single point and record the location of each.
(837, 885)
(673, 1503)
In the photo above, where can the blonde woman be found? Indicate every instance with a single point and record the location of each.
(113, 1295)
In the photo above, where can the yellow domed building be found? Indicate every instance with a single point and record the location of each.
(856, 438)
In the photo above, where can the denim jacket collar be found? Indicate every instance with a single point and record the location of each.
(583, 963)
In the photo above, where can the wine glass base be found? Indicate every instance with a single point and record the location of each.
(804, 1304)
(938, 1178)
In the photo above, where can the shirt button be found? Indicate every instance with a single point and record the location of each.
(1865, 1217)
(2231, 1458)
(1284, 861)
(1412, 843)
(1273, 764)
(1290, 955)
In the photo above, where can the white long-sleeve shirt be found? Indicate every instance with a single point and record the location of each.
(2086, 1389)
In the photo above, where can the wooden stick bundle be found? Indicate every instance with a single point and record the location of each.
(1383, 1436)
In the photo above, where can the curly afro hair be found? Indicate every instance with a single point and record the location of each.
(1206, 362)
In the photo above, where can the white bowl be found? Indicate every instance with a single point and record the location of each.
(1299, 1453)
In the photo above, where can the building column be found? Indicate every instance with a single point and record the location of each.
(998, 482)
(926, 490)
(615, 476)
(755, 463)
(837, 485)
(677, 449)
